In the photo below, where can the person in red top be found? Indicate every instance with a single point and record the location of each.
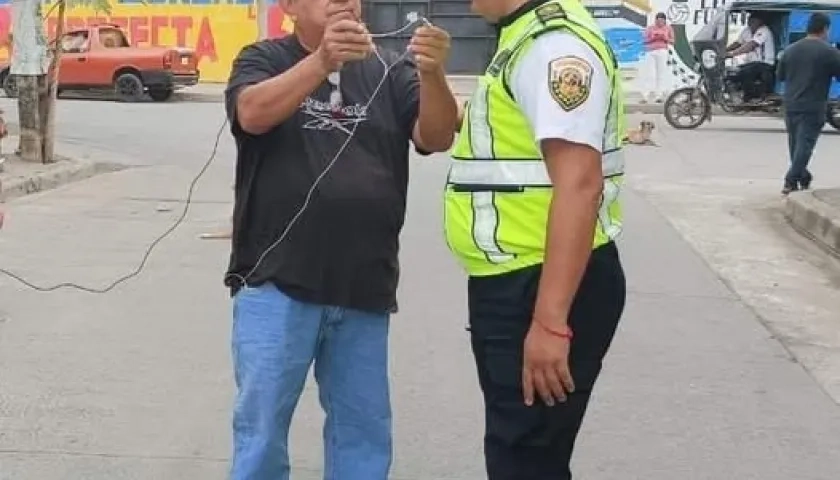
(658, 37)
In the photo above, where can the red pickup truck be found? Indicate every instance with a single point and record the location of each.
(100, 57)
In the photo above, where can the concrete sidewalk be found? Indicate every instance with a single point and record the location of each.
(816, 214)
(19, 178)
(136, 384)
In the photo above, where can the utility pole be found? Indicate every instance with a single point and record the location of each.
(262, 18)
(29, 65)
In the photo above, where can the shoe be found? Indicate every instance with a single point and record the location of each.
(805, 184)
(789, 188)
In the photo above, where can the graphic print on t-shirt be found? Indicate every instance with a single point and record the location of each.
(322, 116)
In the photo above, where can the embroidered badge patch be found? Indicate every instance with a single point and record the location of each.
(549, 11)
(569, 80)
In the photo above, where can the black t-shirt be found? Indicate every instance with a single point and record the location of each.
(342, 250)
(807, 68)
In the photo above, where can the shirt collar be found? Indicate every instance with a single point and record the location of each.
(519, 12)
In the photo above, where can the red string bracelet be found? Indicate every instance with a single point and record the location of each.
(567, 334)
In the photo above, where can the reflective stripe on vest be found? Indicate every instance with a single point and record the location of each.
(499, 190)
(519, 173)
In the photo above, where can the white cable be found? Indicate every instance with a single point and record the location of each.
(412, 19)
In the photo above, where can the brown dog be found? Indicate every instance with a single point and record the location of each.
(641, 135)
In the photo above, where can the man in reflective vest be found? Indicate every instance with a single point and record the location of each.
(532, 213)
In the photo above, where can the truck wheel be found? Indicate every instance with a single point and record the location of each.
(129, 87)
(10, 85)
(160, 94)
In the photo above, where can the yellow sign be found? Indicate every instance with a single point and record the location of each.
(216, 31)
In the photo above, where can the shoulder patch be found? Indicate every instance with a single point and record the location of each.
(570, 81)
(549, 11)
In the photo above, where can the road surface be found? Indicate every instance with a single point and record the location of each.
(725, 366)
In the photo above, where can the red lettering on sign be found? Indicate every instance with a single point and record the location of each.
(121, 22)
(276, 17)
(75, 23)
(146, 30)
(157, 23)
(5, 27)
(51, 23)
(205, 45)
(138, 30)
(181, 25)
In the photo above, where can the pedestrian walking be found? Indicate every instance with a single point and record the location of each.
(531, 213)
(807, 67)
(322, 124)
(659, 37)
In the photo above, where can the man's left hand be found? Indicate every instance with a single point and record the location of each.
(430, 46)
(545, 369)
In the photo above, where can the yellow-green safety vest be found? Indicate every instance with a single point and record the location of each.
(498, 190)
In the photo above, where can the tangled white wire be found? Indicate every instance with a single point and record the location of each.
(411, 19)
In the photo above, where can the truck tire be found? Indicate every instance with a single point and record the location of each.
(160, 94)
(129, 87)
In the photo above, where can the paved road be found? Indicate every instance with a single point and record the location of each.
(146, 133)
(726, 365)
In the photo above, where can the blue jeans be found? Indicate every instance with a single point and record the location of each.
(275, 340)
(803, 129)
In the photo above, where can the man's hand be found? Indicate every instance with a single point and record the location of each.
(430, 46)
(545, 370)
(345, 38)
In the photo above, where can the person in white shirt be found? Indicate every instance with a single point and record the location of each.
(535, 379)
(756, 43)
(583, 125)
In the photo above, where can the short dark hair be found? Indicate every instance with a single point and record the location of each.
(661, 15)
(818, 23)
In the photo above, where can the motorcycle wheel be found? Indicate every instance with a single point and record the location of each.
(690, 102)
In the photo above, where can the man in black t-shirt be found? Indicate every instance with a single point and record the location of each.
(807, 67)
(323, 121)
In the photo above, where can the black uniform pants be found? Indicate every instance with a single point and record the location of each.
(757, 79)
(536, 443)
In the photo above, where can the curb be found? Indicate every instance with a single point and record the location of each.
(65, 171)
(815, 219)
(198, 97)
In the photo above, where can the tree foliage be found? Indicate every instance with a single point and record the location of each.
(103, 6)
